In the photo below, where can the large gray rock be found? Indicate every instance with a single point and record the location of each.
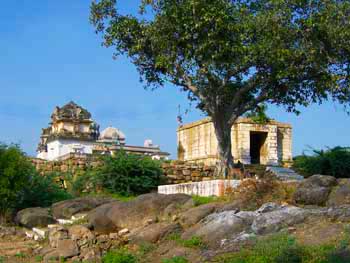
(217, 227)
(34, 217)
(155, 232)
(340, 194)
(99, 219)
(134, 213)
(273, 221)
(314, 190)
(194, 215)
(67, 248)
(65, 209)
(339, 213)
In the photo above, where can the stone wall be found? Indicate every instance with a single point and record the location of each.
(197, 142)
(181, 172)
(72, 164)
(175, 171)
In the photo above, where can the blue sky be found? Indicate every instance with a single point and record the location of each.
(49, 55)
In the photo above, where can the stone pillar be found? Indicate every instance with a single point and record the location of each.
(271, 141)
(244, 143)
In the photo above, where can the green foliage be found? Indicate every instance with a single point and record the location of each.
(259, 114)
(119, 256)
(39, 258)
(145, 248)
(121, 175)
(335, 162)
(176, 259)
(202, 200)
(193, 242)
(231, 56)
(281, 248)
(15, 172)
(21, 186)
(42, 190)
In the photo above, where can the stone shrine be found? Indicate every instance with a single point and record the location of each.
(252, 143)
(72, 131)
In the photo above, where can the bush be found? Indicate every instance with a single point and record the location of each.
(42, 191)
(119, 256)
(176, 259)
(202, 200)
(335, 162)
(125, 174)
(15, 172)
(280, 248)
(21, 186)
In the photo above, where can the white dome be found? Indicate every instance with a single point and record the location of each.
(112, 134)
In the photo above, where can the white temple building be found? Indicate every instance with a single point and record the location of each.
(72, 131)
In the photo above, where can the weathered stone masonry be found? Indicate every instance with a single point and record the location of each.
(174, 171)
(268, 144)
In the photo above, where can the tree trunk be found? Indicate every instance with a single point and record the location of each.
(223, 135)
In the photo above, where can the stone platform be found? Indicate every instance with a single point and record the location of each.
(204, 188)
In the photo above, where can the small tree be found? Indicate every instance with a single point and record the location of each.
(15, 171)
(124, 174)
(232, 55)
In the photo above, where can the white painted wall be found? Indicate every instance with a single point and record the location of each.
(204, 188)
(61, 147)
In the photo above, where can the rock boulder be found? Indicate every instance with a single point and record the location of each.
(154, 232)
(314, 190)
(340, 194)
(134, 213)
(65, 209)
(217, 227)
(280, 217)
(34, 217)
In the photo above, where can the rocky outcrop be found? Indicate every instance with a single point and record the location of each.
(314, 190)
(228, 227)
(194, 215)
(340, 195)
(277, 217)
(78, 243)
(219, 226)
(65, 209)
(154, 232)
(134, 213)
(34, 217)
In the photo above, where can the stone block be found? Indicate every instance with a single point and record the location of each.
(186, 172)
(195, 174)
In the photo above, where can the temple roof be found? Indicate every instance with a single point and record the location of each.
(239, 120)
(113, 134)
(71, 111)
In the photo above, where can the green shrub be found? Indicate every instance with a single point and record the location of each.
(15, 171)
(335, 162)
(202, 200)
(176, 259)
(20, 184)
(193, 242)
(42, 190)
(119, 256)
(124, 174)
(281, 248)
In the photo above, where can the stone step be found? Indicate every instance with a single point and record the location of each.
(284, 174)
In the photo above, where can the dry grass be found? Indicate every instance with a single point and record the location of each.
(253, 193)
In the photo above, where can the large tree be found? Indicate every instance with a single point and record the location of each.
(232, 55)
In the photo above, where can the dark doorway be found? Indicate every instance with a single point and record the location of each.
(257, 141)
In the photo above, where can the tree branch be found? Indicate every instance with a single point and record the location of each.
(249, 106)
